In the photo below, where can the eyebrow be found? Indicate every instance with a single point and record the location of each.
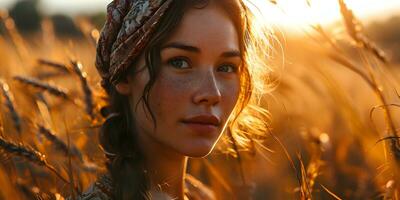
(182, 46)
(178, 45)
(230, 54)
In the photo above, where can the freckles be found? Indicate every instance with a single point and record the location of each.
(230, 95)
(174, 86)
(168, 93)
(230, 89)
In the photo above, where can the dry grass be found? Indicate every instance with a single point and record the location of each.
(334, 132)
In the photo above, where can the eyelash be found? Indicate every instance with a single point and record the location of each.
(170, 62)
(234, 67)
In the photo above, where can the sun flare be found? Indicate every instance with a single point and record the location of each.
(296, 13)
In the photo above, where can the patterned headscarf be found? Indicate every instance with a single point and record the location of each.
(126, 32)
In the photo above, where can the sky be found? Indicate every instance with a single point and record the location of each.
(325, 11)
(66, 6)
(289, 12)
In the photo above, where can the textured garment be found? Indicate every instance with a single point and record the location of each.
(128, 28)
(102, 190)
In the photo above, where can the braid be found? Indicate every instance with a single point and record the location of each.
(125, 161)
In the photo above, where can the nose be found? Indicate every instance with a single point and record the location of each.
(208, 92)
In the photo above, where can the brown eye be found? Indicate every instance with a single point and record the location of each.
(230, 68)
(179, 63)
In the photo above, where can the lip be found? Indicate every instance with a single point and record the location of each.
(204, 120)
(203, 124)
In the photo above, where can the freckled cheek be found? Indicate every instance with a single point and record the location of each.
(170, 95)
(230, 95)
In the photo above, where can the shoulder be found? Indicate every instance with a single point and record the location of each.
(102, 189)
(99, 190)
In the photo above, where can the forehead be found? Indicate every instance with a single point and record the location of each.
(202, 27)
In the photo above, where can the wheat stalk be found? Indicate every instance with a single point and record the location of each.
(5, 89)
(58, 143)
(47, 75)
(354, 29)
(28, 154)
(43, 86)
(61, 67)
(77, 66)
(15, 36)
(305, 188)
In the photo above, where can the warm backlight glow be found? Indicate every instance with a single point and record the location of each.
(287, 12)
(294, 13)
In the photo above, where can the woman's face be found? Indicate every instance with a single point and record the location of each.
(196, 89)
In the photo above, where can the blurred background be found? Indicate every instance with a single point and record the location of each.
(334, 104)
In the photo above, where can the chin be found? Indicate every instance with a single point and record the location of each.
(199, 154)
(198, 151)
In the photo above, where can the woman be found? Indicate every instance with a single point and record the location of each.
(180, 74)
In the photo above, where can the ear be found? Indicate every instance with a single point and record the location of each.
(123, 87)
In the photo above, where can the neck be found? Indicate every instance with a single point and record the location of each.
(165, 168)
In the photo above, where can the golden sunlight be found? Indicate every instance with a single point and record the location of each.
(297, 13)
